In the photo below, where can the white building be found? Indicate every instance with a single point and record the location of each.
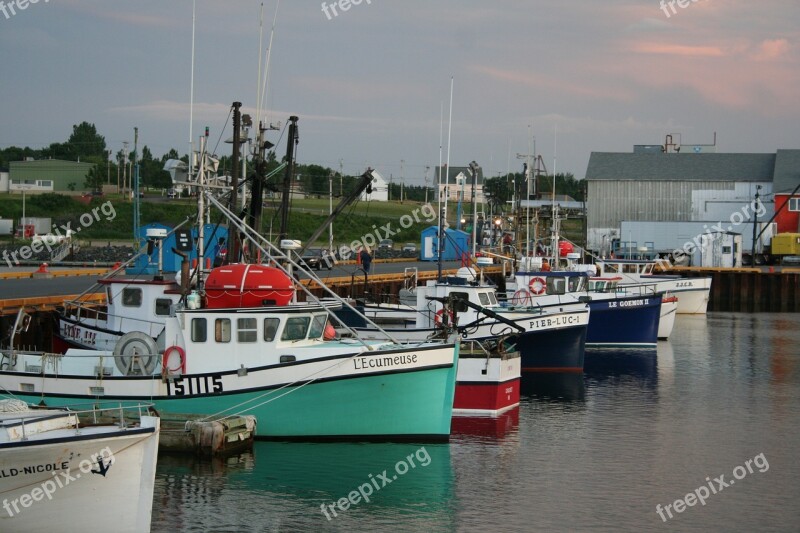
(380, 189)
(459, 184)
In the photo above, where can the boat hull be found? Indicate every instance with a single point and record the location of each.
(65, 494)
(666, 323)
(487, 386)
(559, 350)
(377, 395)
(693, 293)
(624, 322)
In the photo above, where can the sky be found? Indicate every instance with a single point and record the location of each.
(372, 84)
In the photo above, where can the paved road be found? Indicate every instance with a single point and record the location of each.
(24, 288)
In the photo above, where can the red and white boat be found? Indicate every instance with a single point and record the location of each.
(487, 380)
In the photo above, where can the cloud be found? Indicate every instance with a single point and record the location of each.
(771, 50)
(677, 50)
(649, 25)
(170, 110)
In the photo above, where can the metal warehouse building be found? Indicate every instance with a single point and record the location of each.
(678, 187)
(47, 175)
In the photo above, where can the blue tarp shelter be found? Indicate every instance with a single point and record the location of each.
(455, 244)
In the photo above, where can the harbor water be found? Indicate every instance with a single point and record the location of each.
(711, 415)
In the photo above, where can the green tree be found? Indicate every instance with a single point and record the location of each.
(95, 178)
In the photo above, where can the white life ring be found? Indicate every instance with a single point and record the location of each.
(537, 285)
(439, 317)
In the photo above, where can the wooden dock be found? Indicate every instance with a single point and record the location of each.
(750, 290)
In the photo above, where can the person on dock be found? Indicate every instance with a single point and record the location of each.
(366, 259)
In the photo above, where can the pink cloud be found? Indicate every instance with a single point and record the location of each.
(592, 89)
(677, 50)
(771, 49)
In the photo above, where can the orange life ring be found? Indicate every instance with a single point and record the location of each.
(521, 297)
(439, 317)
(537, 285)
(164, 360)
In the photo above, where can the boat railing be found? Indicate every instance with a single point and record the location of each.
(82, 415)
(80, 312)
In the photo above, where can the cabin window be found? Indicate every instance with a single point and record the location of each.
(492, 299)
(199, 332)
(163, 306)
(132, 297)
(296, 328)
(270, 328)
(556, 285)
(630, 269)
(576, 283)
(459, 298)
(110, 295)
(318, 326)
(484, 298)
(247, 329)
(610, 267)
(794, 204)
(222, 330)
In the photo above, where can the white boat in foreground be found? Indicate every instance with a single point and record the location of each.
(58, 473)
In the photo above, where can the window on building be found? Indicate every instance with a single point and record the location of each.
(44, 183)
(247, 329)
(162, 306)
(132, 297)
(296, 328)
(270, 328)
(199, 332)
(794, 204)
(222, 330)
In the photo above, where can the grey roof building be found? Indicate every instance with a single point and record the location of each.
(653, 186)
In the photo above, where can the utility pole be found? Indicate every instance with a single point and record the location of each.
(755, 225)
(125, 166)
(401, 180)
(427, 168)
(330, 213)
(136, 188)
(341, 178)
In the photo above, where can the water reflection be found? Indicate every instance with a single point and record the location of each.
(558, 387)
(636, 366)
(486, 428)
(286, 483)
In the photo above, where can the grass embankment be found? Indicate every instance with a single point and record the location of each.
(306, 216)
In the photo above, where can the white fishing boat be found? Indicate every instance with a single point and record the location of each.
(272, 361)
(693, 293)
(548, 340)
(60, 472)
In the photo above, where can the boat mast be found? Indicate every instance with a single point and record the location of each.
(443, 216)
(553, 201)
(287, 178)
